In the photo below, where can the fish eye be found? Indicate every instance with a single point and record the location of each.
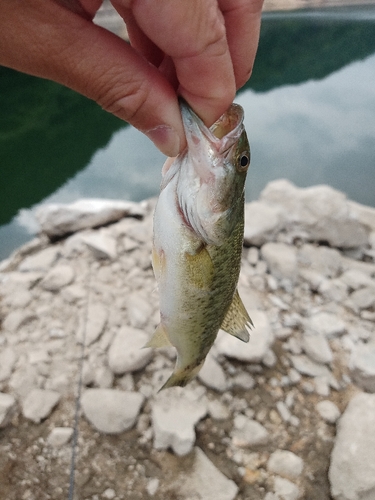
(244, 161)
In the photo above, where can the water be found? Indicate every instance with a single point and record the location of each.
(309, 113)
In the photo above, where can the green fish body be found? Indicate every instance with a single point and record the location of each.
(197, 244)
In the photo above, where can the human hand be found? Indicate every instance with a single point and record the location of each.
(202, 50)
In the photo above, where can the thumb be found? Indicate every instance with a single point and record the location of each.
(44, 39)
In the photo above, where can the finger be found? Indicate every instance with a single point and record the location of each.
(45, 39)
(242, 21)
(193, 34)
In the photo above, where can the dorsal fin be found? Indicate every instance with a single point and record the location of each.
(237, 319)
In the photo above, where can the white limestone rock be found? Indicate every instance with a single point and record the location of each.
(92, 327)
(174, 415)
(40, 261)
(204, 481)
(57, 220)
(261, 339)
(58, 277)
(101, 243)
(139, 309)
(111, 411)
(262, 221)
(17, 319)
(126, 353)
(285, 489)
(362, 365)
(326, 323)
(281, 260)
(363, 298)
(59, 436)
(352, 468)
(328, 411)
(354, 279)
(8, 359)
(212, 375)
(39, 403)
(8, 408)
(306, 366)
(248, 432)
(317, 348)
(286, 464)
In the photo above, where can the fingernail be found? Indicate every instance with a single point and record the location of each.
(166, 139)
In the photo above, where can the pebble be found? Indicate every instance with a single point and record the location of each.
(248, 433)
(59, 276)
(39, 403)
(286, 464)
(174, 416)
(328, 411)
(352, 468)
(212, 375)
(317, 348)
(281, 260)
(285, 489)
(7, 361)
(326, 323)
(59, 436)
(111, 411)
(362, 365)
(8, 408)
(126, 353)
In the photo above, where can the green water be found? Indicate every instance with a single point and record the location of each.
(56, 145)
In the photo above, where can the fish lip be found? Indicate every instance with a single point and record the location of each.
(195, 129)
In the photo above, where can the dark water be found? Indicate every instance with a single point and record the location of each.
(310, 117)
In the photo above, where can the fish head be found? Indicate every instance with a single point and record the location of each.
(212, 173)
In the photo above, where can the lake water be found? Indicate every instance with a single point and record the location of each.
(309, 114)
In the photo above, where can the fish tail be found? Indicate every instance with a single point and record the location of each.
(180, 378)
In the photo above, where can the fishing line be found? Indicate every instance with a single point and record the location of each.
(79, 391)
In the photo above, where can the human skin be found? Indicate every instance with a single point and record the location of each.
(201, 50)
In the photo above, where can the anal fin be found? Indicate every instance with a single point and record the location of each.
(237, 319)
(159, 338)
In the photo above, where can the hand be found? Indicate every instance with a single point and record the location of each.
(202, 50)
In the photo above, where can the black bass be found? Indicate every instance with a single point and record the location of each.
(197, 244)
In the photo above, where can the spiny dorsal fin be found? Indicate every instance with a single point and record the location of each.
(237, 319)
(159, 338)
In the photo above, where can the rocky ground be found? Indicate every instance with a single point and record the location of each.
(289, 415)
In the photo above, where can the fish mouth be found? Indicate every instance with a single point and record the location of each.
(221, 136)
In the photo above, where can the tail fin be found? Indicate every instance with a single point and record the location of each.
(180, 378)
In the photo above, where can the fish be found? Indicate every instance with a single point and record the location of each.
(197, 241)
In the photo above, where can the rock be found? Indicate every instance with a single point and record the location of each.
(102, 244)
(243, 380)
(59, 436)
(111, 411)
(139, 309)
(126, 353)
(354, 278)
(57, 220)
(92, 326)
(261, 222)
(174, 415)
(24, 380)
(212, 375)
(152, 486)
(58, 277)
(325, 261)
(204, 481)
(328, 411)
(17, 319)
(39, 403)
(285, 489)
(41, 261)
(217, 410)
(248, 432)
(281, 260)
(325, 323)
(362, 365)
(261, 339)
(363, 298)
(317, 348)
(352, 468)
(8, 407)
(7, 361)
(306, 366)
(285, 464)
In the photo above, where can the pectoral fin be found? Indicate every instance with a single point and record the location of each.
(158, 263)
(237, 319)
(159, 338)
(200, 268)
